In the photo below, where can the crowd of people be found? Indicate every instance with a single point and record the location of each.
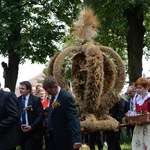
(46, 115)
(25, 120)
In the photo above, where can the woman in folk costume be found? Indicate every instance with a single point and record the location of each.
(141, 134)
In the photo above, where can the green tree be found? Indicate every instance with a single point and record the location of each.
(125, 25)
(31, 29)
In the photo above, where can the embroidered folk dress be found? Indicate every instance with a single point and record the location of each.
(141, 133)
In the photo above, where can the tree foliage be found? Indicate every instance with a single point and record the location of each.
(31, 29)
(125, 27)
(37, 25)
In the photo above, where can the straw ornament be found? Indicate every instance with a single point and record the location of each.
(51, 62)
(86, 26)
(96, 74)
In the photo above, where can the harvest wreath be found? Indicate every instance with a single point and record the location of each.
(95, 73)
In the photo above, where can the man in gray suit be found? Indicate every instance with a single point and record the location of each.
(9, 120)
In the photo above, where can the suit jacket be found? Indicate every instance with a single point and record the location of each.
(65, 123)
(9, 120)
(127, 106)
(117, 111)
(35, 114)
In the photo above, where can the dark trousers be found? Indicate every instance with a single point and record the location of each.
(31, 142)
(121, 135)
(96, 138)
(51, 145)
(61, 145)
(113, 140)
(129, 131)
(85, 139)
(46, 138)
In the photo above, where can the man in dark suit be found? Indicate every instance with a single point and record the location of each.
(63, 123)
(117, 112)
(131, 91)
(32, 116)
(9, 120)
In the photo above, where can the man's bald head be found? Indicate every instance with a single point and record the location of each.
(131, 91)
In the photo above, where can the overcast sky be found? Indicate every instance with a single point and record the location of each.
(26, 71)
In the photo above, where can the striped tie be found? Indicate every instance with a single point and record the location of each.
(49, 119)
(131, 104)
(23, 111)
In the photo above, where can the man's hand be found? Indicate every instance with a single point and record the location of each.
(77, 146)
(26, 128)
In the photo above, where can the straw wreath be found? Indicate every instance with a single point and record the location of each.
(96, 73)
(51, 62)
(58, 68)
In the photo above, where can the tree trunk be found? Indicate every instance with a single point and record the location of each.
(12, 71)
(135, 37)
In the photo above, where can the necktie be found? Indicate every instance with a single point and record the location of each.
(23, 111)
(49, 119)
(131, 104)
